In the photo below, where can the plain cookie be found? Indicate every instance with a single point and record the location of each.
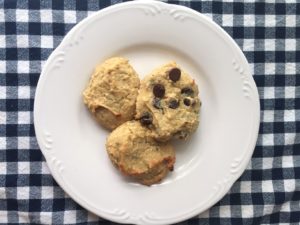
(111, 93)
(136, 154)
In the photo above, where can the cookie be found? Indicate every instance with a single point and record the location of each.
(168, 103)
(136, 154)
(111, 93)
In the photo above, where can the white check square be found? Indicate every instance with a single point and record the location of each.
(22, 193)
(290, 92)
(290, 20)
(290, 44)
(23, 92)
(2, 92)
(2, 66)
(270, 68)
(22, 41)
(267, 186)
(247, 211)
(2, 41)
(23, 167)
(289, 185)
(3, 215)
(249, 20)
(268, 115)
(23, 66)
(227, 20)
(22, 15)
(246, 187)
(70, 16)
(270, 44)
(290, 69)
(287, 161)
(47, 192)
(267, 163)
(70, 217)
(289, 115)
(225, 211)
(23, 217)
(269, 93)
(2, 143)
(268, 139)
(46, 41)
(23, 143)
(248, 45)
(289, 138)
(46, 217)
(2, 17)
(2, 169)
(2, 117)
(24, 117)
(46, 16)
(270, 20)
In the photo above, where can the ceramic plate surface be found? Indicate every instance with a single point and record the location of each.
(149, 34)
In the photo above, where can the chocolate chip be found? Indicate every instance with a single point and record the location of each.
(187, 101)
(159, 90)
(156, 103)
(146, 119)
(173, 104)
(187, 91)
(174, 74)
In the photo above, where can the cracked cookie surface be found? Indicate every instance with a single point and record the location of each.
(136, 154)
(111, 93)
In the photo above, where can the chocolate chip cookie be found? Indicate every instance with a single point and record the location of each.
(168, 103)
(111, 92)
(135, 153)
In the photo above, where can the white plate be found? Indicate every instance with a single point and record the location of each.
(149, 33)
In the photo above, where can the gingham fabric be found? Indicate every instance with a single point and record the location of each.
(268, 33)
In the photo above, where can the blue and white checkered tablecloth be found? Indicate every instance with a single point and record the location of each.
(268, 33)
